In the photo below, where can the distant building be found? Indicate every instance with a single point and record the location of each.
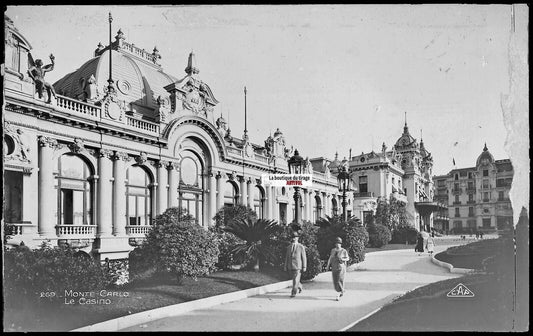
(405, 172)
(477, 197)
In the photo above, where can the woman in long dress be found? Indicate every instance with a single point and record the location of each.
(337, 260)
(419, 247)
(430, 246)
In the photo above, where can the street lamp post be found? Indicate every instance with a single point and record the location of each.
(296, 166)
(344, 181)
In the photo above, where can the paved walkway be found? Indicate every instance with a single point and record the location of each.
(377, 281)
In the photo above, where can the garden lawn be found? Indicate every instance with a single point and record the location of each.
(429, 309)
(495, 305)
(142, 297)
(469, 256)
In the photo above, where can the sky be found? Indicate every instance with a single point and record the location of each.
(330, 77)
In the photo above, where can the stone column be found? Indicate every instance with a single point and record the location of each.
(267, 203)
(275, 205)
(220, 191)
(46, 187)
(162, 181)
(303, 193)
(309, 205)
(244, 196)
(172, 184)
(119, 192)
(212, 198)
(105, 192)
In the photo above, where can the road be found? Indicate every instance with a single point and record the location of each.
(375, 282)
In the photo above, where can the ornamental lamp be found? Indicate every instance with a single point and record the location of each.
(296, 163)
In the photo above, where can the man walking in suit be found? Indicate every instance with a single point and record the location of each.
(295, 263)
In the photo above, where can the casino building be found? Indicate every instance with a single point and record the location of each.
(123, 140)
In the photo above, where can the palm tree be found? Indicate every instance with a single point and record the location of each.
(255, 235)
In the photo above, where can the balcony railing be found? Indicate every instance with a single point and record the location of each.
(471, 202)
(457, 190)
(456, 203)
(143, 125)
(137, 229)
(363, 194)
(75, 230)
(72, 105)
(19, 228)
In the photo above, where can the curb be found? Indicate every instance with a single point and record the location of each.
(451, 268)
(180, 308)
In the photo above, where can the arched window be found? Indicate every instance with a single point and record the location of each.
(334, 206)
(258, 201)
(231, 193)
(191, 185)
(138, 194)
(74, 191)
(317, 208)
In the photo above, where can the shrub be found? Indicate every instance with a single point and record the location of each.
(226, 244)
(353, 234)
(179, 247)
(116, 272)
(53, 270)
(378, 235)
(307, 237)
(404, 235)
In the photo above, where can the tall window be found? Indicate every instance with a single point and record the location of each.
(456, 198)
(139, 207)
(317, 208)
(258, 202)
(470, 211)
(470, 175)
(363, 184)
(470, 185)
(191, 185)
(457, 212)
(485, 184)
(470, 197)
(334, 207)
(456, 186)
(74, 191)
(500, 196)
(486, 197)
(486, 172)
(486, 223)
(12, 196)
(231, 194)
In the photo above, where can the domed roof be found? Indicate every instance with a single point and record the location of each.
(485, 157)
(334, 165)
(277, 133)
(406, 141)
(139, 83)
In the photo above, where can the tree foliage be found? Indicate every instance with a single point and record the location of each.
(228, 214)
(391, 213)
(378, 235)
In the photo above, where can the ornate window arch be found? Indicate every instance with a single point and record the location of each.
(231, 193)
(75, 190)
(192, 183)
(259, 201)
(139, 196)
(317, 208)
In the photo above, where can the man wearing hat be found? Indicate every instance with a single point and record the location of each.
(337, 260)
(295, 263)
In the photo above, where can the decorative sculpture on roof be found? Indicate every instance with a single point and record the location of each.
(37, 72)
(222, 126)
(275, 145)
